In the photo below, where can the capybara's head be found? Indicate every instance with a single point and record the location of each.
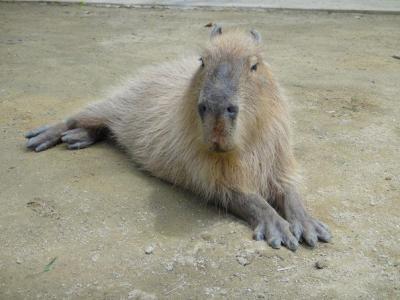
(233, 78)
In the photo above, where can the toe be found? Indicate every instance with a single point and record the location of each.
(323, 232)
(71, 131)
(310, 237)
(70, 139)
(258, 234)
(323, 235)
(297, 230)
(77, 136)
(79, 145)
(44, 146)
(65, 138)
(36, 131)
(33, 142)
(291, 243)
(275, 243)
(321, 224)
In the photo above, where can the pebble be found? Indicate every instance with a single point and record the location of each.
(242, 260)
(19, 260)
(169, 267)
(245, 257)
(140, 295)
(149, 250)
(321, 264)
(206, 236)
(95, 257)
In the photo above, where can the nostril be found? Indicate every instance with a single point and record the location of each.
(232, 110)
(202, 109)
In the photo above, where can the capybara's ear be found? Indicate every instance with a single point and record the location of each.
(256, 36)
(217, 30)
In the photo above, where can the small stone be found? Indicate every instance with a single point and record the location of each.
(140, 295)
(149, 250)
(260, 296)
(169, 267)
(95, 257)
(245, 257)
(206, 236)
(242, 260)
(388, 178)
(321, 264)
(19, 260)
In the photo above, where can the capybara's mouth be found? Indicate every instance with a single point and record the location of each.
(218, 149)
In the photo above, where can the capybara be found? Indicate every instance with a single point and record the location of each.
(217, 125)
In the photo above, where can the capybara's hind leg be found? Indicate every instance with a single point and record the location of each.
(45, 137)
(79, 131)
(79, 138)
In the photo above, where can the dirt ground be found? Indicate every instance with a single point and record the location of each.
(78, 224)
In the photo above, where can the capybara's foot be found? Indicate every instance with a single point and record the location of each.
(45, 137)
(307, 229)
(78, 138)
(276, 231)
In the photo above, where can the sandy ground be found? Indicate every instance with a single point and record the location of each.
(77, 224)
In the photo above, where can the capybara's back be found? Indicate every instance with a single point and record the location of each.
(153, 117)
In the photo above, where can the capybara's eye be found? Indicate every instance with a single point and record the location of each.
(202, 62)
(254, 67)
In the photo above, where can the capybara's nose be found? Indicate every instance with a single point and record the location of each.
(232, 111)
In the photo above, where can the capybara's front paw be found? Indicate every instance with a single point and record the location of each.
(276, 231)
(309, 230)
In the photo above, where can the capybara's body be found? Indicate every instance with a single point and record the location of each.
(218, 127)
(155, 118)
